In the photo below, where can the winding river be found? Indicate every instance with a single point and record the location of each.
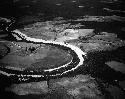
(17, 76)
